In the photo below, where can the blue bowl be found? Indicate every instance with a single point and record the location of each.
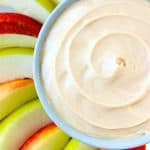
(96, 142)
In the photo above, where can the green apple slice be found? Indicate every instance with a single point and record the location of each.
(16, 40)
(15, 63)
(21, 124)
(56, 1)
(14, 94)
(47, 138)
(37, 9)
(76, 145)
(47, 4)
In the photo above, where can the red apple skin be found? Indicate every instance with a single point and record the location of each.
(14, 23)
(139, 148)
(15, 84)
(9, 92)
(38, 135)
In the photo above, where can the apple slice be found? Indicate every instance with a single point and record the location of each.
(15, 93)
(21, 124)
(15, 63)
(139, 148)
(76, 145)
(56, 1)
(18, 30)
(17, 40)
(47, 138)
(37, 9)
(18, 24)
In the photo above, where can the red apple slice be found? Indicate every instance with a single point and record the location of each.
(18, 24)
(47, 138)
(18, 30)
(139, 148)
(37, 9)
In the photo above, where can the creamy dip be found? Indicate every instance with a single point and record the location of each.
(96, 67)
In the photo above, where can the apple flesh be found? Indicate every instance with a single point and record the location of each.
(47, 138)
(14, 94)
(37, 9)
(15, 63)
(17, 40)
(76, 145)
(18, 24)
(18, 30)
(21, 124)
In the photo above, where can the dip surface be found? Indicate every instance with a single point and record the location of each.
(96, 67)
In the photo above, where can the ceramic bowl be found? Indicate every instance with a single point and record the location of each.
(96, 142)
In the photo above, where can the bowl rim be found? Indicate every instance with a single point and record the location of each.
(96, 142)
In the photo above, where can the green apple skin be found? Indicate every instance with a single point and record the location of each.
(19, 62)
(21, 124)
(47, 4)
(15, 51)
(16, 40)
(14, 94)
(37, 9)
(56, 1)
(76, 145)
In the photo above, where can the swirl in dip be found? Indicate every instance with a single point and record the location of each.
(96, 67)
